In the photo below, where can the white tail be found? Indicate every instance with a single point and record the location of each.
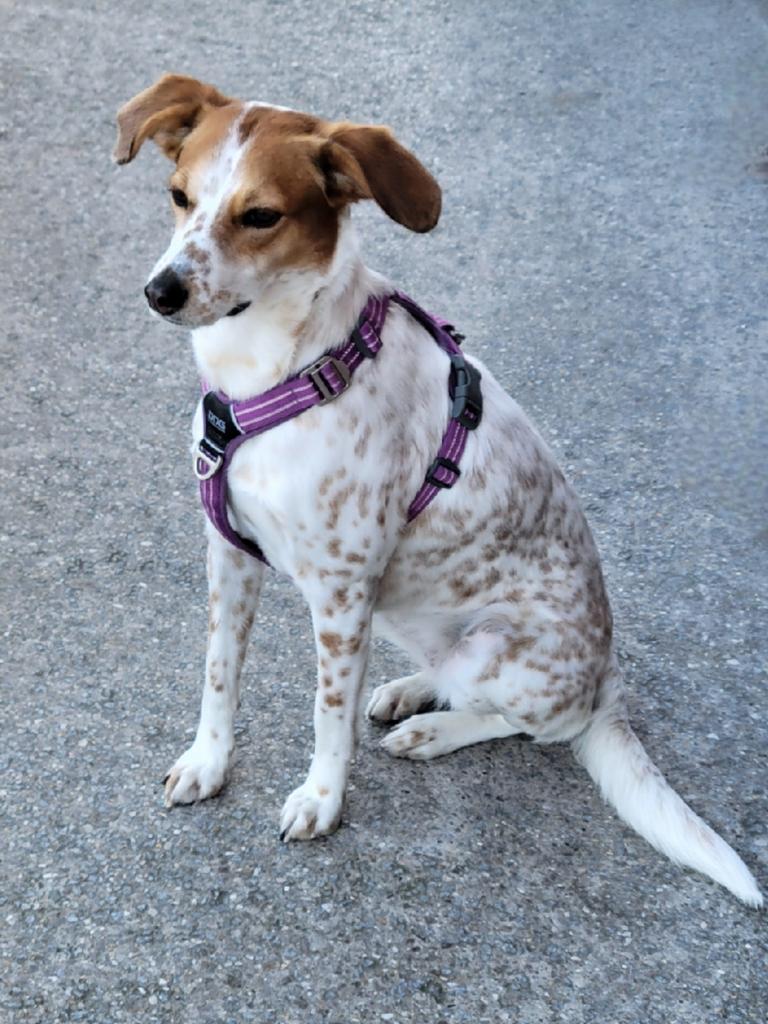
(628, 779)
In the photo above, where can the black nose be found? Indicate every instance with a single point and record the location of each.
(165, 292)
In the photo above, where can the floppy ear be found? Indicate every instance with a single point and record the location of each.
(367, 162)
(166, 112)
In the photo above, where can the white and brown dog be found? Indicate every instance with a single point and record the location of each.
(495, 590)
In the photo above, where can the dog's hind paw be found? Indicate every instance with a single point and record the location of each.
(401, 698)
(310, 811)
(200, 772)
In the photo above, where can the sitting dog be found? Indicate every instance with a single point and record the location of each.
(494, 588)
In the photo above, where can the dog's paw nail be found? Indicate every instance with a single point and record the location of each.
(283, 834)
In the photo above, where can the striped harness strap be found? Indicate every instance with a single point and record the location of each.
(228, 423)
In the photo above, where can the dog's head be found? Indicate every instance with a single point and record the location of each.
(258, 192)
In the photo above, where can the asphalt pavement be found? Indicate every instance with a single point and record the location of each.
(603, 246)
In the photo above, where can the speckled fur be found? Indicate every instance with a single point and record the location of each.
(495, 590)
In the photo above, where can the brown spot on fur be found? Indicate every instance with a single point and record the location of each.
(323, 791)
(561, 705)
(513, 648)
(332, 642)
(334, 547)
(241, 634)
(344, 672)
(363, 499)
(336, 504)
(361, 445)
(334, 700)
(327, 681)
(196, 254)
(237, 558)
(215, 596)
(355, 558)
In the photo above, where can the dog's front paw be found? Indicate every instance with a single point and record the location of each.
(310, 811)
(200, 772)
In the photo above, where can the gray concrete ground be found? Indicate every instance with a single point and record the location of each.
(603, 245)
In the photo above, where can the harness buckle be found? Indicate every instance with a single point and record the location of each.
(210, 458)
(315, 374)
(442, 463)
(467, 395)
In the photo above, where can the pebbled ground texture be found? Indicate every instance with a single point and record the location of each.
(603, 247)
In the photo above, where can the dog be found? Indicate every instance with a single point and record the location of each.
(495, 590)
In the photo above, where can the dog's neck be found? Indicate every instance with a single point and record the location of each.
(290, 325)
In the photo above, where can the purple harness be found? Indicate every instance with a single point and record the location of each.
(227, 424)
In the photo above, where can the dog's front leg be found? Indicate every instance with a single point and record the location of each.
(342, 625)
(234, 583)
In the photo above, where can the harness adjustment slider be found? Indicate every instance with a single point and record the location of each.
(442, 463)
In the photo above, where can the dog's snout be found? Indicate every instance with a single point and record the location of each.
(166, 293)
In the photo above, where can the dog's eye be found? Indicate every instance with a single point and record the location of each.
(260, 217)
(180, 198)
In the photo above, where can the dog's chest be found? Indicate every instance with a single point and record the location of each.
(309, 492)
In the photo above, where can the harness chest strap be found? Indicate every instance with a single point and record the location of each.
(227, 424)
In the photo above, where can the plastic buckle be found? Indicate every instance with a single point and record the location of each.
(211, 459)
(314, 372)
(467, 396)
(360, 344)
(442, 463)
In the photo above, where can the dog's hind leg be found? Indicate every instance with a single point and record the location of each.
(506, 675)
(234, 583)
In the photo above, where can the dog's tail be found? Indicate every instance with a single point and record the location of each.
(628, 779)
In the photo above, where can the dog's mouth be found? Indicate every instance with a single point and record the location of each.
(238, 309)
